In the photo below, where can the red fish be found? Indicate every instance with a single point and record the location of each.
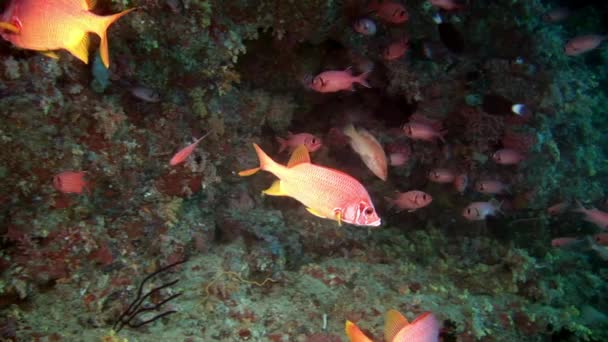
(49, 25)
(420, 131)
(292, 141)
(410, 200)
(491, 187)
(448, 5)
(391, 12)
(581, 44)
(441, 176)
(564, 241)
(70, 182)
(425, 328)
(335, 80)
(595, 216)
(185, 152)
(396, 49)
(326, 193)
(558, 208)
(507, 157)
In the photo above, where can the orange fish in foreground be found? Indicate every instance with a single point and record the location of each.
(185, 152)
(49, 25)
(425, 328)
(326, 193)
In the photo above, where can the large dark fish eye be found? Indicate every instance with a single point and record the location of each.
(402, 14)
(369, 211)
(469, 211)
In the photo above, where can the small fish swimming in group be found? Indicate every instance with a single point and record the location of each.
(145, 94)
(479, 211)
(395, 50)
(442, 176)
(335, 80)
(389, 11)
(420, 131)
(595, 216)
(47, 26)
(410, 201)
(507, 156)
(425, 328)
(71, 182)
(449, 5)
(581, 44)
(492, 187)
(365, 26)
(292, 141)
(185, 152)
(369, 149)
(325, 192)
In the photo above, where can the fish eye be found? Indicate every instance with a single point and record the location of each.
(314, 141)
(424, 197)
(369, 211)
(402, 13)
(468, 211)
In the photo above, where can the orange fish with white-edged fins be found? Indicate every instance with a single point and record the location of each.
(326, 193)
(369, 149)
(425, 328)
(49, 25)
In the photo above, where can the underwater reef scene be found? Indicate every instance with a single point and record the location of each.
(306, 170)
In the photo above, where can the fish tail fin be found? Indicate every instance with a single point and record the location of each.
(266, 163)
(102, 31)
(282, 144)
(362, 79)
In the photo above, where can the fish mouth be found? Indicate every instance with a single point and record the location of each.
(375, 223)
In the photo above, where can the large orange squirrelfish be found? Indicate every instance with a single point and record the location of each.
(49, 25)
(326, 193)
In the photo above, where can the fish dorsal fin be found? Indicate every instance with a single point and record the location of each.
(81, 49)
(88, 4)
(300, 155)
(393, 323)
(354, 333)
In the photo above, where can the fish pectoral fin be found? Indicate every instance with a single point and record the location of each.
(275, 189)
(9, 27)
(300, 155)
(50, 54)
(249, 172)
(394, 322)
(316, 213)
(338, 214)
(81, 49)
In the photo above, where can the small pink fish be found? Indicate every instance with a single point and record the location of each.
(398, 158)
(365, 26)
(70, 182)
(396, 49)
(420, 131)
(410, 200)
(601, 238)
(292, 141)
(491, 187)
(595, 216)
(556, 15)
(581, 44)
(185, 152)
(461, 182)
(507, 157)
(335, 80)
(441, 176)
(563, 241)
(479, 211)
(391, 12)
(448, 5)
(558, 208)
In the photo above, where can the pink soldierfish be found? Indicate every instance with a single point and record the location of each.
(564, 241)
(70, 182)
(410, 200)
(581, 44)
(441, 176)
(292, 141)
(335, 80)
(185, 152)
(595, 216)
(391, 12)
(448, 5)
(491, 187)
(420, 131)
(507, 157)
(395, 50)
(557, 208)
(479, 211)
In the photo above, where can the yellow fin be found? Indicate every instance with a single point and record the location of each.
(102, 31)
(50, 54)
(393, 323)
(249, 172)
(316, 213)
(275, 189)
(354, 333)
(300, 155)
(81, 49)
(9, 27)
